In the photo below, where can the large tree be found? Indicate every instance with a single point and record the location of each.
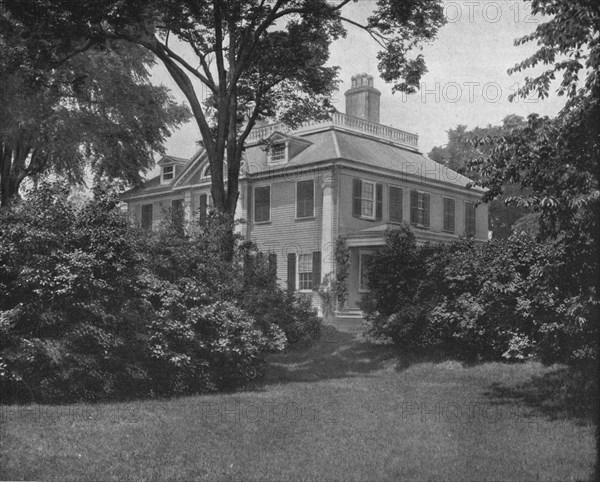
(257, 58)
(64, 115)
(462, 149)
(556, 160)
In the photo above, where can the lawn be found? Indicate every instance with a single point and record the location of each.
(343, 410)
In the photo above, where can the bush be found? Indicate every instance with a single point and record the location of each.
(510, 299)
(93, 308)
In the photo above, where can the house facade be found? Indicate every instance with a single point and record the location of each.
(349, 176)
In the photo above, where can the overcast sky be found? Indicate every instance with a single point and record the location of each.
(466, 83)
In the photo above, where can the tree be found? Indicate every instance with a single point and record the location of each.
(257, 58)
(556, 161)
(462, 149)
(93, 110)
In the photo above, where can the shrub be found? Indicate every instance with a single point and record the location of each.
(93, 308)
(508, 299)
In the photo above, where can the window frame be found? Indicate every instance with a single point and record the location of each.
(395, 221)
(314, 198)
(373, 201)
(165, 180)
(265, 221)
(285, 157)
(446, 228)
(420, 208)
(299, 272)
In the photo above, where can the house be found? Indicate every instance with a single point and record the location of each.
(349, 176)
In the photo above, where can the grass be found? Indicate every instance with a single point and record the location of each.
(342, 410)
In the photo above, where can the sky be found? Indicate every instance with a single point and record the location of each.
(466, 83)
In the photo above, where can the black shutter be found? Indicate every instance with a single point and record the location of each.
(414, 207)
(316, 270)
(356, 198)
(202, 209)
(273, 264)
(379, 202)
(147, 216)
(395, 204)
(425, 209)
(452, 215)
(291, 271)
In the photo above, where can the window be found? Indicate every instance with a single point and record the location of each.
(367, 206)
(470, 219)
(278, 152)
(419, 208)
(305, 272)
(363, 270)
(206, 172)
(367, 199)
(305, 199)
(147, 217)
(168, 173)
(262, 204)
(449, 214)
(395, 204)
(309, 271)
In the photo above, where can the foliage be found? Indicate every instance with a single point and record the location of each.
(460, 153)
(94, 111)
(503, 299)
(94, 308)
(342, 271)
(256, 59)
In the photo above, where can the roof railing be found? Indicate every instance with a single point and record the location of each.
(338, 119)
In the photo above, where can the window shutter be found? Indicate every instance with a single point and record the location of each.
(291, 271)
(202, 209)
(395, 204)
(426, 209)
(356, 197)
(379, 202)
(414, 207)
(451, 214)
(147, 216)
(316, 269)
(273, 264)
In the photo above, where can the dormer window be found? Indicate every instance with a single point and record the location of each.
(168, 173)
(279, 153)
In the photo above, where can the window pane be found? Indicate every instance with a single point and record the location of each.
(167, 173)
(278, 153)
(367, 191)
(367, 208)
(305, 271)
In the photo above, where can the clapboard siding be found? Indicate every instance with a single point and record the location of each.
(285, 234)
(349, 224)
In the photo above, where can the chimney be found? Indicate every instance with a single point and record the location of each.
(362, 99)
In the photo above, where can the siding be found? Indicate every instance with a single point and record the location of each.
(284, 233)
(349, 224)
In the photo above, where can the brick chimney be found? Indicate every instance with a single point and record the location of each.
(362, 99)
